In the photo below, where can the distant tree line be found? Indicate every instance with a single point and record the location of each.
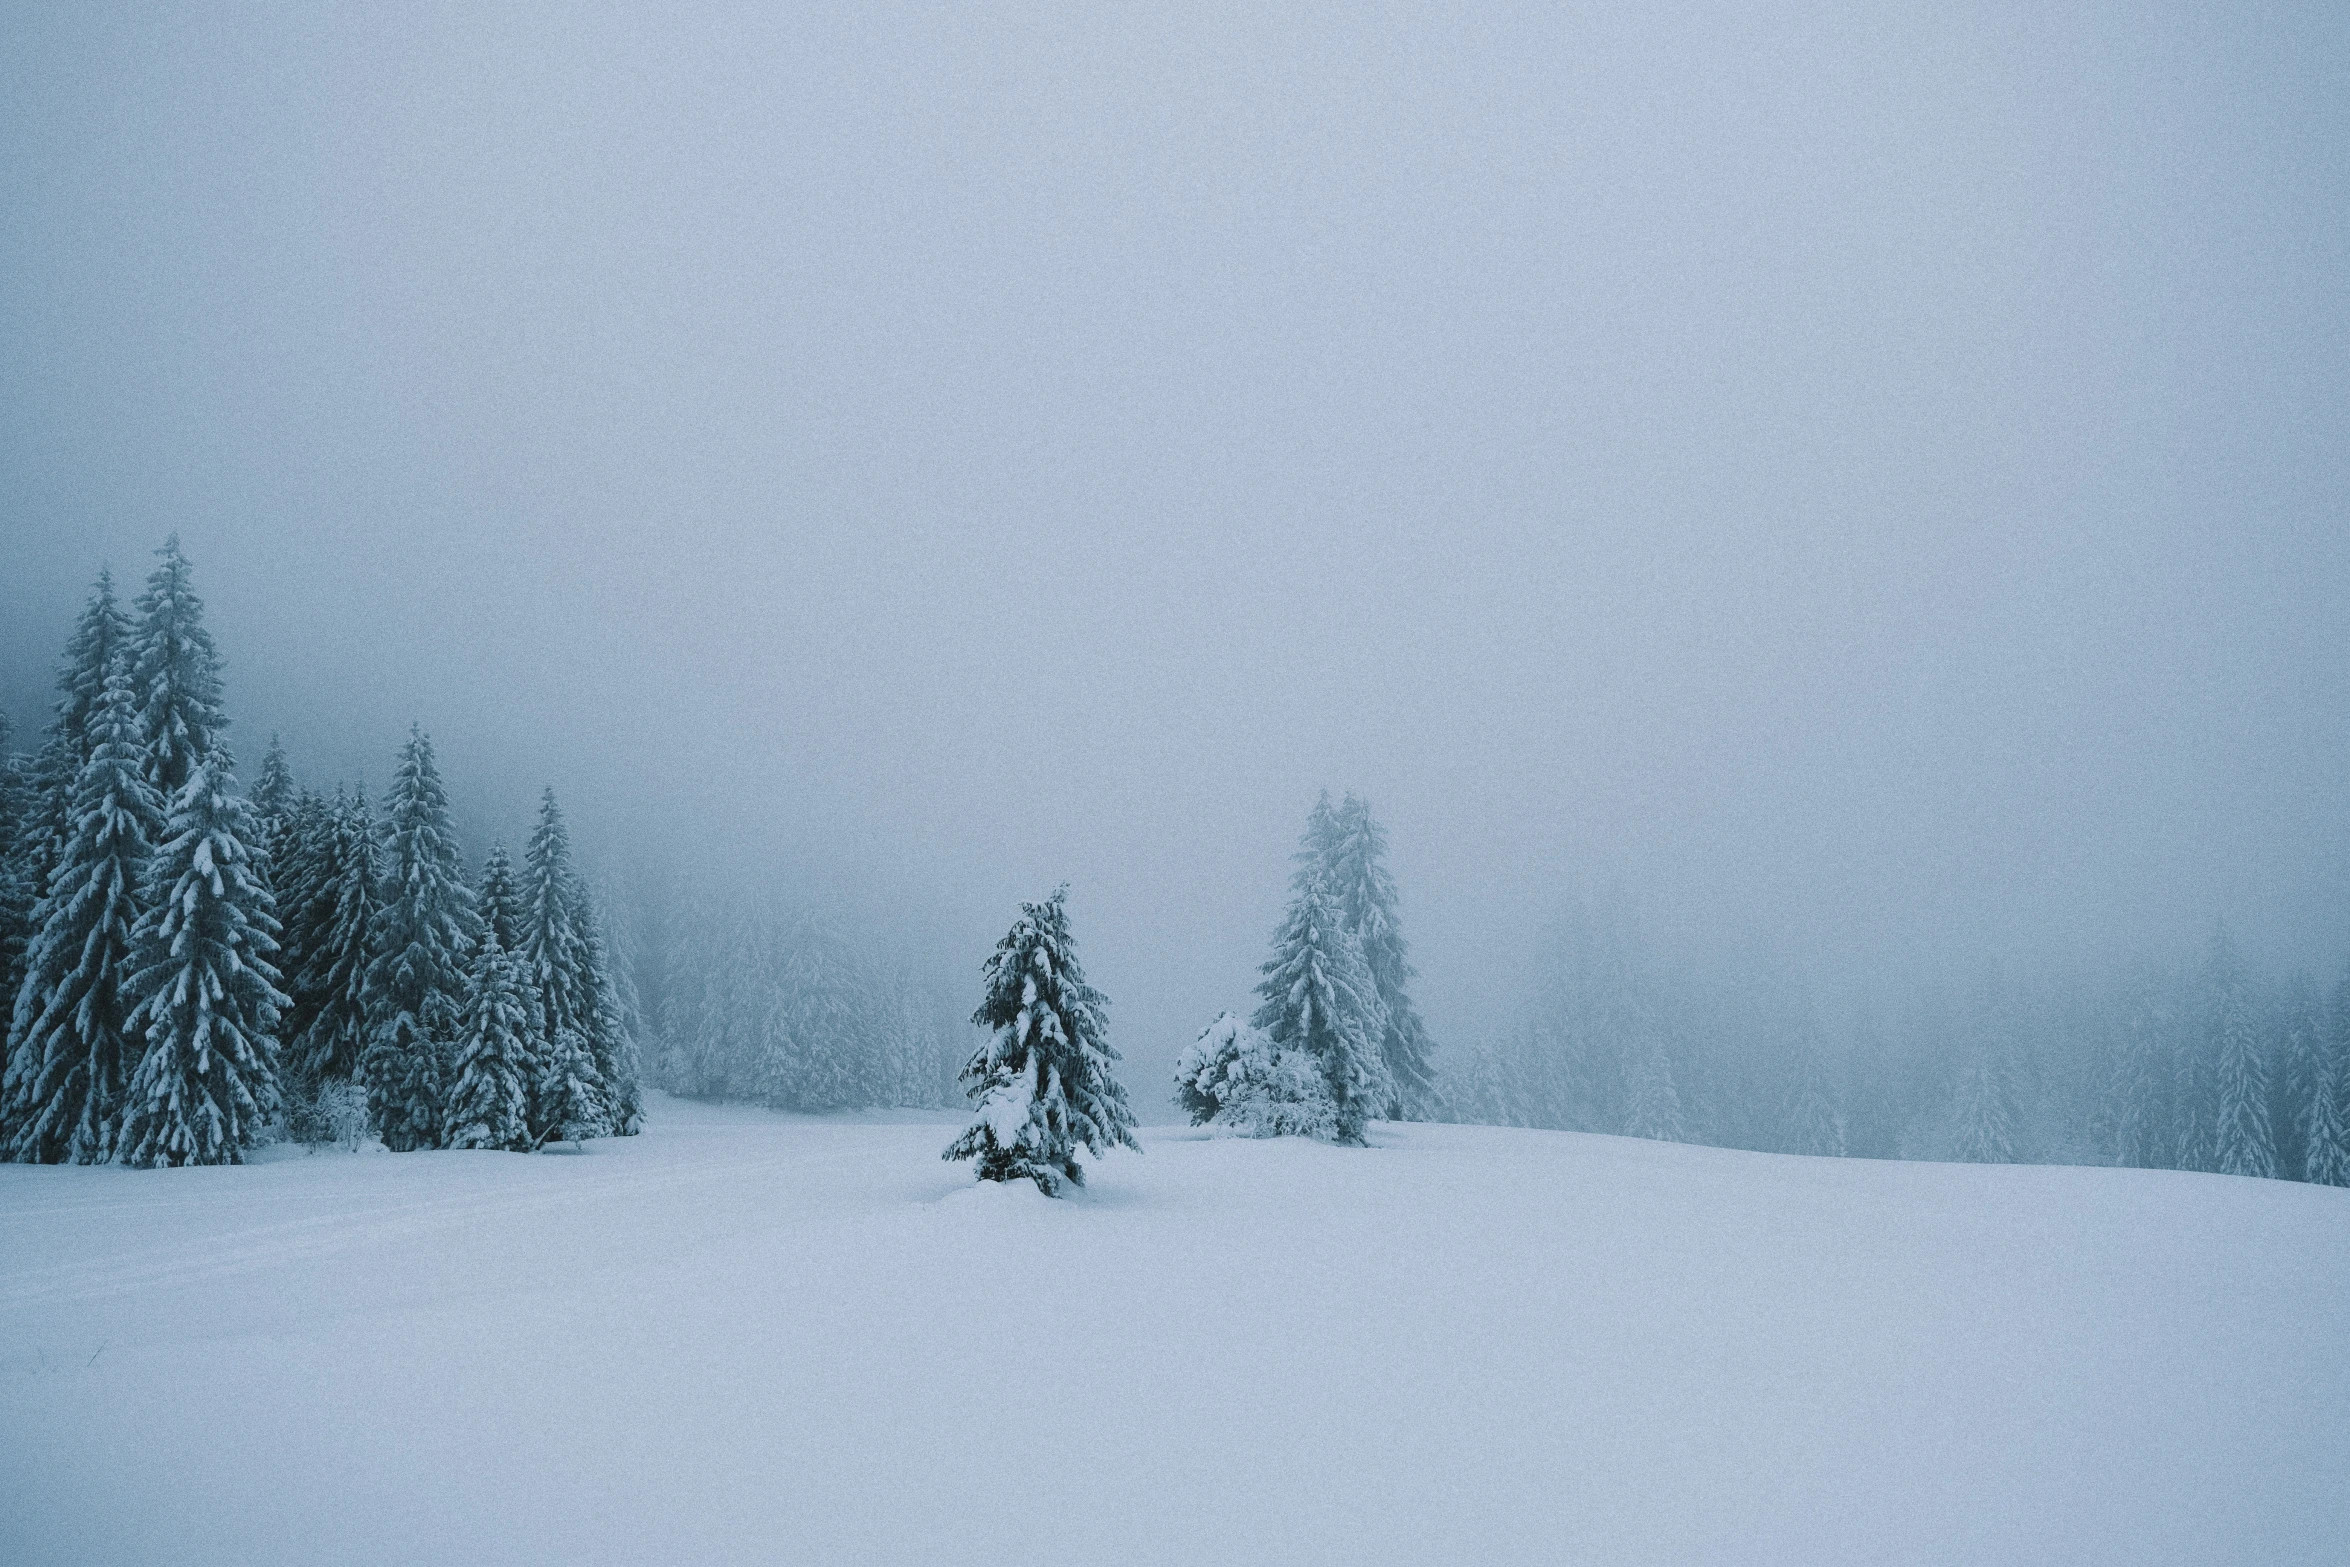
(755, 1000)
(2191, 1066)
(189, 970)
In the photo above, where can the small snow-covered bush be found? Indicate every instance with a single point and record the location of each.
(325, 1114)
(1236, 1081)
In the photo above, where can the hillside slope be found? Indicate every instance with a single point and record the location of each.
(750, 1337)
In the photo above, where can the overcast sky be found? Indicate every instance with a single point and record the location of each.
(1868, 481)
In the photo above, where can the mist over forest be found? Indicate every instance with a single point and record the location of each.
(1859, 516)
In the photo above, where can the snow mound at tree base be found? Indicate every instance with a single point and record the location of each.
(749, 1337)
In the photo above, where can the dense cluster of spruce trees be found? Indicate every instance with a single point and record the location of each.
(2188, 1065)
(191, 969)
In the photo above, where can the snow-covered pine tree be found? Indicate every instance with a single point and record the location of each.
(2242, 1140)
(303, 881)
(334, 979)
(206, 996)
(612, 960)
(2143, 1133)
(1983, 1108)
(175, 671)
(1982, 1127)
(498, 900)
(1043, 1082)
(10, 782)
(1234, 1078)
(1317, 996)
(1203, 1069)
(820, 1033)
(424, 927)
(2296, 1055)
(610, 1049)
(2327, 1127)
(78, 1049)
(489, 1106)
(100, 637)
(1349, 848)
(45, 783)
(18, 813)
(1814, 1124)
(551, 938)
(695, 1005)
(273, 799)
(1652, 1103)
(572, 1093)
(499, 897)
(567, 1102)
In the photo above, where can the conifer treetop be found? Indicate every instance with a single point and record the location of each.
(273, 786)
(500, 899)
(550, 938)
(424, 894)
(101, 637)
(176, 671)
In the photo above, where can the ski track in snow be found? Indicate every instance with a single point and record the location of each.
(753, 1337)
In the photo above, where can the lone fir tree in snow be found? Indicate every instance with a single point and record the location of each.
(1349, 850)
(1318, 997)
(416, 979)
(1043, 1081)
(78, 1050)
(175, 672)
(208, 1000)
(489, 1106)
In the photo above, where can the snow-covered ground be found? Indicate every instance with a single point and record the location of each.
(747, 1337)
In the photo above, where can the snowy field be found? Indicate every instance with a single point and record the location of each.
(747, 1337)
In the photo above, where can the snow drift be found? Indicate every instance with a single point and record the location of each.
(753, 1337)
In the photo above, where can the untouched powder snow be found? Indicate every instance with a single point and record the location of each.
(746, 1337)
